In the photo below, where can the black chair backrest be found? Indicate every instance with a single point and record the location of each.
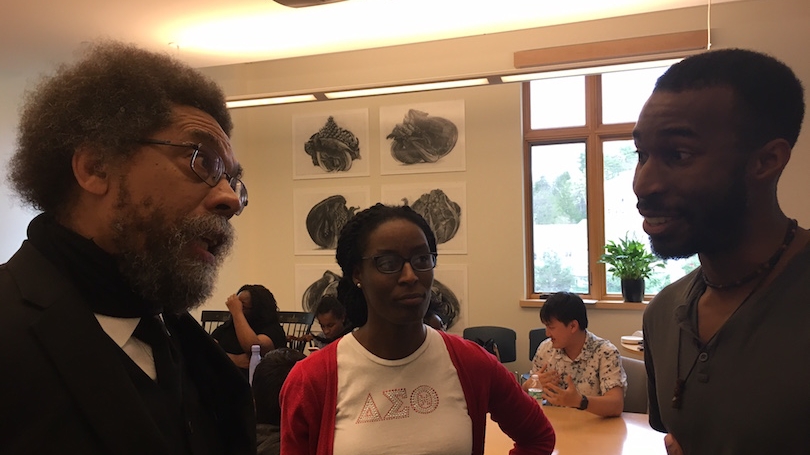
(536, 336)
(505, 339)
(296, 324)
(635, 397)
(211, 319)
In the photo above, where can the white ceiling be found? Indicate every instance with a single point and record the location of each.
(36, 33)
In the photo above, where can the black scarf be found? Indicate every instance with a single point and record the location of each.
(92, 270)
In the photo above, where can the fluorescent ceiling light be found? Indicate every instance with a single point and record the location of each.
(590, 70)
(267, 101)
(445, 84)
(406, 88)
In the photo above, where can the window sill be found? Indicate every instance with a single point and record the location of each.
(593, 304)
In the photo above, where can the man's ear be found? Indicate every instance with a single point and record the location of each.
(768, 162)
(90, 171)
(573, 326)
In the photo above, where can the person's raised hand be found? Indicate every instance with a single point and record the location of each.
(559, 396)
(234, 304)
(548, 377)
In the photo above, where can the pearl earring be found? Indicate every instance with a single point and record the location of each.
(358, 285)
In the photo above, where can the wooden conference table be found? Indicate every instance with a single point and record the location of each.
(582, 433)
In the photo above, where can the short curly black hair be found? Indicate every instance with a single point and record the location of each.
(113, 96)
(769, 96)
(352, 242)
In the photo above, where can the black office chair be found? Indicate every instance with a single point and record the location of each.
(635, 397)
(505, 339)
(536, 336)
(211, 319)
(296, 324)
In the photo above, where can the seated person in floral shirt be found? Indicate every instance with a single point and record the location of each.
(576, 368)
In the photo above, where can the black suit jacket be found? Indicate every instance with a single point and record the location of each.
(64, 387)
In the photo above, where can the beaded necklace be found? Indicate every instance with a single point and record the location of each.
(761, 271)
(763, 268)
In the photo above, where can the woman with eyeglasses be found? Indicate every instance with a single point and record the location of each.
(396, 385)
(254, 320)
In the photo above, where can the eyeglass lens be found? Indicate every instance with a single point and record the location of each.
(207, 166)
(210, 168)
(239, 188)
(393, 263)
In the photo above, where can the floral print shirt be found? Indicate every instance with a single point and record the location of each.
(597, 369)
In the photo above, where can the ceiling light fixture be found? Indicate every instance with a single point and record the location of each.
(406, 88)
(427, 86)
(268, 101)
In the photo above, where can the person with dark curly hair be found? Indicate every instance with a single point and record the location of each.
(254, 320)
(373, 390)
(127, 155)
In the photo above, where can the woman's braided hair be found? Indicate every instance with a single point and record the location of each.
(352, 243)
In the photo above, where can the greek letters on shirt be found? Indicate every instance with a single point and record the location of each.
(422, 400)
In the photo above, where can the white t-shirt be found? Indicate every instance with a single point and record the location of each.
(413, 405)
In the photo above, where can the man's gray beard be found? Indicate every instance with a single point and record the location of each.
(160, 270)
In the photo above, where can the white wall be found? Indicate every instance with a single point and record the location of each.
(15, 216)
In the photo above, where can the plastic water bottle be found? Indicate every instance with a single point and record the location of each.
(535, 389)
(255, 358)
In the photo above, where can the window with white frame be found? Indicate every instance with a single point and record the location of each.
(580, 161)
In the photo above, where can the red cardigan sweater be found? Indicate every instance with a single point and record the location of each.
(309, 396)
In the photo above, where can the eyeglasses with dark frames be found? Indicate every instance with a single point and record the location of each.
(393, 263)
(209, 167)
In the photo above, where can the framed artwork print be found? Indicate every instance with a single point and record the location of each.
(450, 290)
(328, 145)
(319, 215)
(419, 138)
(313, 281)
(442, 204)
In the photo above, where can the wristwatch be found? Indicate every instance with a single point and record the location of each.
(583, 405)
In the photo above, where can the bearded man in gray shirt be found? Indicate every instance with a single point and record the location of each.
(725, 347)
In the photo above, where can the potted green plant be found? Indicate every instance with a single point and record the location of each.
(630, 262)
